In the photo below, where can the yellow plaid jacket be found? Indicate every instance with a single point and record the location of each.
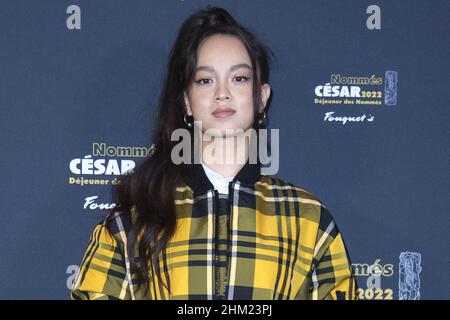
(267, 239)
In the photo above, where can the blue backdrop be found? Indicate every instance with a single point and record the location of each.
(360, 96)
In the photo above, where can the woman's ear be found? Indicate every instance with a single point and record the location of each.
(186, 102)
(265, 94)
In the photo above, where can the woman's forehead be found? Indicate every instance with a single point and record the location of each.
(222, 49)
(211, 69)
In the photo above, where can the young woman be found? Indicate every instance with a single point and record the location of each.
(214, 229)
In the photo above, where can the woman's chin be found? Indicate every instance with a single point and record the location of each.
(224, 132)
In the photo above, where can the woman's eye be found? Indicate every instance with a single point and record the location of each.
(201, 81)
(241, 79)
(207, 81)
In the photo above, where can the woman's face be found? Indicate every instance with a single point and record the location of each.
(221, 93)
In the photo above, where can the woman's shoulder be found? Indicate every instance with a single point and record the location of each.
(313, 213)
(118, 223)
(279, 185)
(309, 204)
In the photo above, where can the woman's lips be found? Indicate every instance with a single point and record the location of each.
(223, 113)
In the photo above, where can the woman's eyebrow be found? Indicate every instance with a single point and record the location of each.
(211, 69)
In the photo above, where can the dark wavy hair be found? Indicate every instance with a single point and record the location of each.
(150, 187)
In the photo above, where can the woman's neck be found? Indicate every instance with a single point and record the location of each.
(225, 155)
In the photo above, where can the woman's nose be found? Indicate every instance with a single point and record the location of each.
(222, 92)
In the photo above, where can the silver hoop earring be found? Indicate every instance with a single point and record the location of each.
(261, 120)
(189, 124)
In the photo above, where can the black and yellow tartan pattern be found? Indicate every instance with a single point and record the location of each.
(267, 240)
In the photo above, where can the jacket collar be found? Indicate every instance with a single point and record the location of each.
(194, 176)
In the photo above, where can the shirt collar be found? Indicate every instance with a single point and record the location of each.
(212, 174)
(194, 176)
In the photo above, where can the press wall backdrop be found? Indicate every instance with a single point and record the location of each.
(360, 95)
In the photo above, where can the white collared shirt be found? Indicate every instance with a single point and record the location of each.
(219, 182)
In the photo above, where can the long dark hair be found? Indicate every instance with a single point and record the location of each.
(150, 188)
